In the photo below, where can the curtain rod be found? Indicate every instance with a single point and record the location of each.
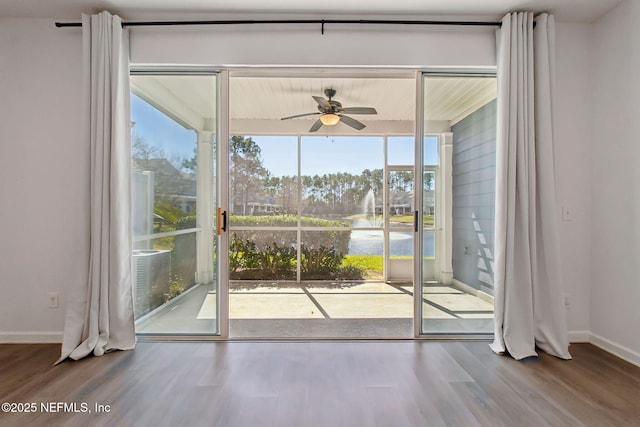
(293, 21)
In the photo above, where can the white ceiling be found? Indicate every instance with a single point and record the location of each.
(565, 10)
(258, 103)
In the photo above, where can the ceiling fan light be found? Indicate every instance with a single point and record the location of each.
(329, 119)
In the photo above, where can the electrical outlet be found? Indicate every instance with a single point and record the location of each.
(53, 300)
(566, 214)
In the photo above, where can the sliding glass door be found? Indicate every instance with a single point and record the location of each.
(293, 198)
(455, 172)
(176, 221)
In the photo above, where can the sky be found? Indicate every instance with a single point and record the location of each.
(319, 154)
(160, 130)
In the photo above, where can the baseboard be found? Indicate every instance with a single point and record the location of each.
(472, 291)
(30, 337)
(621, 351)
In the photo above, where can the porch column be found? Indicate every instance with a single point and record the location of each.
(445, 199)
(204, 207)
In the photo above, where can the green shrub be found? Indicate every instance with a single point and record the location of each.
(321, 260)
(176, 286)
(277, 262)
(242, 253)
(336, 238)
(271, 254)
(186, 222)
(351, 272)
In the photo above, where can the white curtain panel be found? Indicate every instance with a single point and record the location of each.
(100, 314)
(529, 309)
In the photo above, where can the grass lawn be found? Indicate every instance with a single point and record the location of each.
(373, 263)
(408, 219)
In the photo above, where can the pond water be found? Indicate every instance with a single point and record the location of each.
(370, 242)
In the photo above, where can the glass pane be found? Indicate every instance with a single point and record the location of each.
(262, 179)
(428, 199)
(457, 292)
(366, 242)
(428, 244)
(401, 199)
(163, 154)
(324, 256)
(430, 150)
(401, 244)
(400, 150)
(167, 298)
(366, 250)
(262, 255)
(175, 275)
(342, 179)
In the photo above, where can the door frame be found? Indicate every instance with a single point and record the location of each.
(417, 202)
(222, 191)
(219, 178)
(443, 174)
(443, 197)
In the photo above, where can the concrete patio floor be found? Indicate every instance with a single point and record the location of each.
(323, 310)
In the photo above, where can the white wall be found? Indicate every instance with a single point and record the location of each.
(44, 164)
(615, 147)
(304, 45)
(574, 170)
(43, 177)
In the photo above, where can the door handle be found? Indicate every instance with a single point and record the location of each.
(222, 221)
(415, 221)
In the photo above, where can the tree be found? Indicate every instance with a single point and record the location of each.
(247, 175)
(289, 193)
(428, 180)
(171, 185)
(142, 150)
(191, 165)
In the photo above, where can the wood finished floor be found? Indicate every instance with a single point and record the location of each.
(343, 383)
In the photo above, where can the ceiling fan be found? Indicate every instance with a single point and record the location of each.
(331, 112)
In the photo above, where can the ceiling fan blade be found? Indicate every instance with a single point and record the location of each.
(300, 115)
(317, 125)
(359, 110)
(352, 122)
(322, 103)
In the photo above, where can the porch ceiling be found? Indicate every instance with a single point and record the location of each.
(258, 103)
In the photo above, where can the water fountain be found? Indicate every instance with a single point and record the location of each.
(371, 242)
(368, 212)
(367, 242)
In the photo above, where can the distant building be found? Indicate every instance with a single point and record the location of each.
(170, 184)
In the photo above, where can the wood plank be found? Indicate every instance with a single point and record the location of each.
(340, 383)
